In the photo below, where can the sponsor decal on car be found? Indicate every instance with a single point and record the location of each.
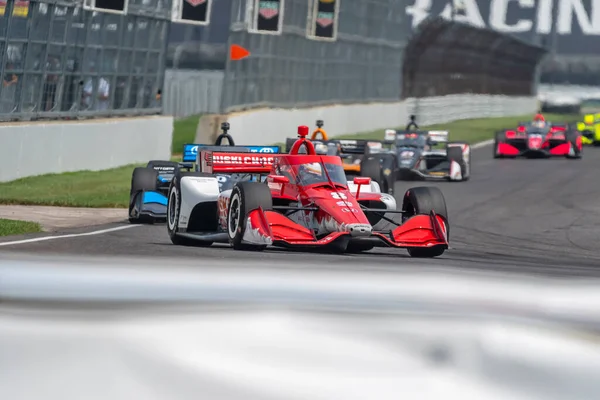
(242, 160)
(339, 196)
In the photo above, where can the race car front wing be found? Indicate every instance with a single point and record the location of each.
(274, 228)
(148, 206)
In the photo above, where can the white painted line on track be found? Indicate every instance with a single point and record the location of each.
(72, 235)
(482, 144)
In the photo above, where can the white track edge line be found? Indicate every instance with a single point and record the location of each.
(482, 144)
(72, 235)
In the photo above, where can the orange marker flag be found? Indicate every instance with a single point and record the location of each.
(237, 52)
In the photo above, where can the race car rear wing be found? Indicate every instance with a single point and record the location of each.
(391, 135)
(352, 146)
(438, 136)
(346, 146)
(190, 151)
(231, 162)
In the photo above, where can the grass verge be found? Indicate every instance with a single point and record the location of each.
(184, 131)
(110, 188)
(9, 227)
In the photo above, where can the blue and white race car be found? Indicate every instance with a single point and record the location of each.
(150, 184)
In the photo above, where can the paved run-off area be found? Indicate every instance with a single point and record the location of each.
(56, 218)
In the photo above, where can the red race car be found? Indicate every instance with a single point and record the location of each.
(538, 139)
(299, 200)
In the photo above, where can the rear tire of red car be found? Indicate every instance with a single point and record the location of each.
(421, 201)
(371, 167)
(246, 197)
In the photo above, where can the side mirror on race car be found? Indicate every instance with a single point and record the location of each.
(362, 180)
(278, 179)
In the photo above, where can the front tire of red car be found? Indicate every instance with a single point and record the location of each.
(246, 197)
(421, 201)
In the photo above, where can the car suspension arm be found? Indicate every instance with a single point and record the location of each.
(291, 210)
(381, 213)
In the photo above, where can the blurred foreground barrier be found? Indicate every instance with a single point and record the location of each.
(121, 328)
(91, 280)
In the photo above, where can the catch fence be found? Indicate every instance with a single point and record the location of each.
(60, 59)
(66, 60)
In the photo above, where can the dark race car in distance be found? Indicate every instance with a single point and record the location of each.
(418, 159)
(538, 139)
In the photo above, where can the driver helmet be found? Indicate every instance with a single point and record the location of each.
(588, 119)
(311, 169)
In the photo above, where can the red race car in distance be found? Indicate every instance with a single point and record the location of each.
(301, 200)
(538, 139)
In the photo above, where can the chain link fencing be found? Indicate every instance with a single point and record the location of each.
(353, 53)
(60, 60)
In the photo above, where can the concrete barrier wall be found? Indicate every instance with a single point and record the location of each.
(267, 126)
(190, 92)
(28, 149)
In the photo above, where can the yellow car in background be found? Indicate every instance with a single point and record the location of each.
(590, 129)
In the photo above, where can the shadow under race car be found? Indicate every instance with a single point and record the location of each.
(150, 184)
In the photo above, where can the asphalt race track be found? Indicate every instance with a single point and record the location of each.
(539, 216)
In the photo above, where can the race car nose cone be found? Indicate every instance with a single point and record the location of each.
(359, 229)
